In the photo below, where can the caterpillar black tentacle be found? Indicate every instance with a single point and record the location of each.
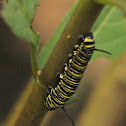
(102, 51)
(63, 108)
(41, 114)
(73, 72)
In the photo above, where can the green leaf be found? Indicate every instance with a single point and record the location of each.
(46, 51)
(119, 3)
(18, 14)
(110, 32)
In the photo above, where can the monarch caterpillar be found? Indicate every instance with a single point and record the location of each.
(73, 72)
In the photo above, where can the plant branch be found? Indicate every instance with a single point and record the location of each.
(34, 64)
(80, 23)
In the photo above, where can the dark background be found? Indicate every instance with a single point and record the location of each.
(15, 68)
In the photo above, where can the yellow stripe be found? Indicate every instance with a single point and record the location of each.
(90, 54)
(50, 104)
(75, 71)
(81, 59)
(70, 81)
(64, 96)
(56, 105)
(89, 46)
(82, 52)
(66, 84)
(47, 104)
(66, 88)
(76, 75)
(60, 101)
(75, 53)
(79, 66)
(68, 77)
(51, 101)
(77, 62)
(54, 92)
(88, 40)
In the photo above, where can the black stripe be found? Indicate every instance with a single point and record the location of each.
(58, 96)
(61, 97)
(90, 50)
(54, 101)
(68, 81)
(51, 102)
(74, 69)
(54, 97)
(78, 63)
(82, 62)
(71, 87)
(62, 94)
(73, 77)
(89, 43)
(84, 57)
(68, 94)
(47, 104)
(67, 89)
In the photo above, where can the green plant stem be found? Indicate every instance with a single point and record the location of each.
(80, 23)
(34, 64)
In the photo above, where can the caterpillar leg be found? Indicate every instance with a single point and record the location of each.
(58, 74)
(76, 47)
(65, 67)
(49, 90)
(70, 55)
(61, 76)
(81, 38)
(50, 86)
(63, 108)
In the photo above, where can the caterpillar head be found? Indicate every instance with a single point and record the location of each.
(89, 41)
